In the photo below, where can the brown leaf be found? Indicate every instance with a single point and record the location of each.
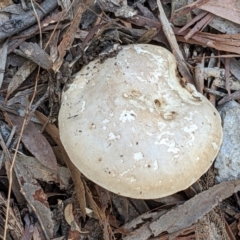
(104, 197)
(36, 198)
(228, 9)
(185, 215)
(36, 143)
(143, 21)
(20, 76)
(45, 174)
(70, 219)
(35, 53)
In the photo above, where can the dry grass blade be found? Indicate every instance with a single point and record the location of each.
(196, 19)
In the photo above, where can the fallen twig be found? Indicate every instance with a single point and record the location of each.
(19, 23)
(168, 31)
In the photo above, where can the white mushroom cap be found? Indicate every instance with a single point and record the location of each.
(129, 125)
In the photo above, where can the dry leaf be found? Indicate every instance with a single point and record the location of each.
(228, 9)
(23, 72)
(36, 198)
(36, 143)
(45, 174)
(35, 53)
(68, 214)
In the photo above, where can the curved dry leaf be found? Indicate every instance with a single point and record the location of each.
(68, 214)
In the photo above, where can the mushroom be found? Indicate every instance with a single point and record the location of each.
(130, 126)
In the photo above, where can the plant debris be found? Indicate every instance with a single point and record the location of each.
(43, 44)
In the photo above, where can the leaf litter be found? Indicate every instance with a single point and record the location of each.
(43, 195)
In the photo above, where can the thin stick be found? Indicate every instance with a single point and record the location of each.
(38, 21)
(168, 31)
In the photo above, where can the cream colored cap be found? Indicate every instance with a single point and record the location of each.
(129, 125)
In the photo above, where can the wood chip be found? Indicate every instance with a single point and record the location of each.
(195, 208)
